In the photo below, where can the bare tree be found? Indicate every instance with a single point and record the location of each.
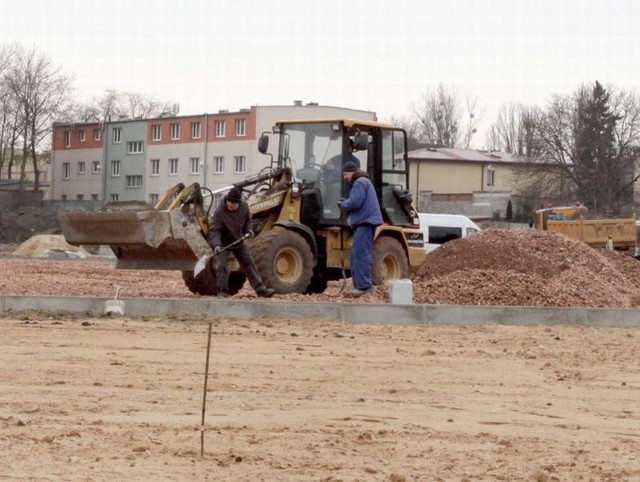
(474, 117)
(493, 138)
(142, 106)
(585, 147)
(514, 130)
(412, 129)
(113, 105)
(439, 117)
(11, 118)
(40, 91)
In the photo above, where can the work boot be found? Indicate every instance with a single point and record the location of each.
(223, 294)
(356, 293)
(265, 292)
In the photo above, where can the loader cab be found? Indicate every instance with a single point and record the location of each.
(316, 151)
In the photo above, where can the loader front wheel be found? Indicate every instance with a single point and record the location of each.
(389, 261)
(284, 260)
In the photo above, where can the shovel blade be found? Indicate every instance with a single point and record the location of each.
(201, 264)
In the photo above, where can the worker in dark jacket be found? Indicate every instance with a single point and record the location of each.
(331, 170)
(364, 210)
(230, 223)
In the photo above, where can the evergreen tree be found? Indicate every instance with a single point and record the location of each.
(598, 172)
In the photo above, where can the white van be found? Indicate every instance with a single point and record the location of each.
(440, 228)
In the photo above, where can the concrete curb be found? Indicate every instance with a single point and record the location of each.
(347, 312)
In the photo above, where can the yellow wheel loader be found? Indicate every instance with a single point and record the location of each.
(301, 240)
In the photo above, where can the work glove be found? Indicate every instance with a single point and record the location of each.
(340, 203)
(216, 250)
(249, 234)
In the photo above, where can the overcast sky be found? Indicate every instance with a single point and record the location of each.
(379, 55)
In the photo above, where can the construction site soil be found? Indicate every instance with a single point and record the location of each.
(93, 397)
(495, 267)
(18, 224)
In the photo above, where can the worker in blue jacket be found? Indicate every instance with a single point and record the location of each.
(364, 211)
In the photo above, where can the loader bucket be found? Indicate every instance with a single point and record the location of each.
(140, 239)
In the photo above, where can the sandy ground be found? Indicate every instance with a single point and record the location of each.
(121, 399)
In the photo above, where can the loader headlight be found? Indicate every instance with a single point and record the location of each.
(296, 190)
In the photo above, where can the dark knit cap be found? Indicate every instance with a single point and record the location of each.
(349, 166)
(234, 195)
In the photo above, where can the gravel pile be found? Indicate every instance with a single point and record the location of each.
(527, 268)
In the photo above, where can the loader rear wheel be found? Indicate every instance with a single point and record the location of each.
(284, 260)
(389, 261)
(205, 283)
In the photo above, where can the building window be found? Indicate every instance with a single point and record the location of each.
(114, 197)
(218, 165)
(239, 162)
(63, 197)
(196, 128)
(82, 136)
(80, 197)
(173, 167)
(115, 168)
(153, 199)
(67, 139)
(116, 136)
(175, 132)
(133, 181)
(156, 132)
(94, 197)
(221, 127)
(491, 176)
(66, 170)
(81, 167)
(194, 163)
(155, 167)
(216, 199)
(135, 147)
(95, 167)
(241, 127)
(96, 134)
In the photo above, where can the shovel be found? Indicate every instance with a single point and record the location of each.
(201, 264)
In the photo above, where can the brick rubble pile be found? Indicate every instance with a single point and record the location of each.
(527, 268)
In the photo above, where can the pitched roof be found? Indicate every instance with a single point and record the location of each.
(464, 155)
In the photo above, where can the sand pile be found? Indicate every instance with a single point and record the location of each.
(50, 246)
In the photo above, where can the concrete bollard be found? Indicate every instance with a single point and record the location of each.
(401, 292)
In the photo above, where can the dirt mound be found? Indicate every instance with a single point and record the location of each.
(19, 224)
(527, 268)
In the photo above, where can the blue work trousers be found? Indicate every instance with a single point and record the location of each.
(361, 256)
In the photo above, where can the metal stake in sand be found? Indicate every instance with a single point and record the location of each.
(204, 395)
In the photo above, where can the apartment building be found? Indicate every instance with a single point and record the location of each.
(140, 159)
